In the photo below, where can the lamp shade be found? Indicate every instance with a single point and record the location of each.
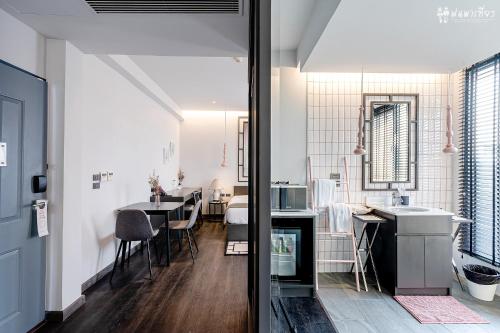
(215, 185)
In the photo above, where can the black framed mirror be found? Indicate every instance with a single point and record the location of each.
(390, 137)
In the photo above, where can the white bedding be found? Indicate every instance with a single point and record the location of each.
(237, 215)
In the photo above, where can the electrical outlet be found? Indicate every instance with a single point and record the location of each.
(96, 177)
(96, 186)
(335, 176)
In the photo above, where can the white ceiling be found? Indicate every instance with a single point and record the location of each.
(195, 82)
(289, 20)
(146, 34)
(403, 36)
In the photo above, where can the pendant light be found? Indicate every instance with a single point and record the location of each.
(450, 147)
(224, 156)
(360, 150)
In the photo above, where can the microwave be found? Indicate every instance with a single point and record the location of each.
(292, 197)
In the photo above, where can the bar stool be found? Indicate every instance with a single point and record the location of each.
(367, 249)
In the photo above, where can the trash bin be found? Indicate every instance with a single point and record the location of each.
(482, 281)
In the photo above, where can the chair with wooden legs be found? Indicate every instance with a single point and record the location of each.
(186, 226)
(133, 225)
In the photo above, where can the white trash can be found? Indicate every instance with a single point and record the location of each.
(482, 281)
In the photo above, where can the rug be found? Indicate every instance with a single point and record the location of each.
(236, 248)
(439, 310)
(301, 314)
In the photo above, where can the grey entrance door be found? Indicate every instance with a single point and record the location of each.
(22, 253)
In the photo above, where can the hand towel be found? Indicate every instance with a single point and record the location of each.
(324, 192)
(339, 217)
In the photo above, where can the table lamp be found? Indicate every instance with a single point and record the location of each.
(216, 188)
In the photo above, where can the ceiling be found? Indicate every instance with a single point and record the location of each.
(194, 83)
(385, 35)
(289, 20)
(206, 35)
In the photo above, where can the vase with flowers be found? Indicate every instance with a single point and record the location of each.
(180, 177)
(156, 190)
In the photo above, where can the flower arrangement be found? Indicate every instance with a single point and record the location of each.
(180, 176)
(154, 183)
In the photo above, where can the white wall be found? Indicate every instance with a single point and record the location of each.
(56, 79)
(333, 102)
(125, 132)
(21, 46)
(202, 142)
(98, 121)
(288, 123)
(331, 116)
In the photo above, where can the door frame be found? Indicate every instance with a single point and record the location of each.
(259, 228)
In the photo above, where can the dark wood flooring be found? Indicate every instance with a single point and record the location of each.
(207, 296)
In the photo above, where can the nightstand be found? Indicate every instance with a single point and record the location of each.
(217, 208)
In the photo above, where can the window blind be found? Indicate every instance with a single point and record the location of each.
(391, 142)
(480, 160)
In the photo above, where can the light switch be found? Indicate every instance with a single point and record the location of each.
(110, 175)
(3, 154)
(104, 176)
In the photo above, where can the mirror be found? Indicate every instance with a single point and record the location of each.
(243, 149)
(390, 138)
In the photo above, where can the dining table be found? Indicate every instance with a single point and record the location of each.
(162, 209)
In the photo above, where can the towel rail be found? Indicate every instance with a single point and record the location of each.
(351, 235)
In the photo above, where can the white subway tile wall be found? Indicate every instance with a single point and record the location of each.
(333, 101)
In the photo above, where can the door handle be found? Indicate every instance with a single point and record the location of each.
(39, 184)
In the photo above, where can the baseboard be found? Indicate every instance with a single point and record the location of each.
(59, 316)
(102, 273)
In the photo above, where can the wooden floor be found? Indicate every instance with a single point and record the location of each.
(208, 296)
(377, 312)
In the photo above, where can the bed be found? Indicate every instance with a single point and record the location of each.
(236, 215)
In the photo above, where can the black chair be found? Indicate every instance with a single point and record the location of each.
(134, 225)
(187, 227)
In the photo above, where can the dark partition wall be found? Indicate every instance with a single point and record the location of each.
(259, 224)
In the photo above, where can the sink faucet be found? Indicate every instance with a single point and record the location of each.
(396, 198)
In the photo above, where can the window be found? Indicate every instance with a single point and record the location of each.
(480, 160)
(390, 142)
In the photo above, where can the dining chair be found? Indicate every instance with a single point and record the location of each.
(134, 225)
(190, 208)
(187, 227)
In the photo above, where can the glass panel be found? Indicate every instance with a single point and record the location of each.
(277, 241)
